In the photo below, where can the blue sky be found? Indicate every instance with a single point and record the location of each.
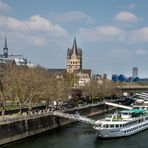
(112, 33)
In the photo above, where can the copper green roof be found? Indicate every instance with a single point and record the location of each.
(133, 111)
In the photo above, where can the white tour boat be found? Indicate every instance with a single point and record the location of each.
(121, 124)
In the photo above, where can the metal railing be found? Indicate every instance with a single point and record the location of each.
(75, 117)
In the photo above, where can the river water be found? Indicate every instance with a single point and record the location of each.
(79, 135)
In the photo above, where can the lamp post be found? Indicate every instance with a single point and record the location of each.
(92, 104)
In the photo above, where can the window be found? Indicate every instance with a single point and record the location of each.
(112, 126)
(117, 125)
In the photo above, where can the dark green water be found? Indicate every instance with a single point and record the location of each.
(79, 135)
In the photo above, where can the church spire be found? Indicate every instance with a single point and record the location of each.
(74, 47)
(5, 49)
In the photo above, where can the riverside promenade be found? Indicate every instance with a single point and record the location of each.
(41, 112)
(17, 116)
(15, 126)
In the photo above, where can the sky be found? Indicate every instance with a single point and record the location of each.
(113, 34)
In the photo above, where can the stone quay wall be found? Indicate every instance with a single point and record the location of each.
(28, 126)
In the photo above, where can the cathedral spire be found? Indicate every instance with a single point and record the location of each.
(5, 49)
(74, 47)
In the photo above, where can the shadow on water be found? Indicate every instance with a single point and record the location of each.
(79, 135)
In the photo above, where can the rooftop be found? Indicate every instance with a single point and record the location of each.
(133, 111)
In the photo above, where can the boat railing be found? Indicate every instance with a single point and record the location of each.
(117, 118)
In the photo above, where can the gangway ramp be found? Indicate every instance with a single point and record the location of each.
(118, 105)
(75, 117)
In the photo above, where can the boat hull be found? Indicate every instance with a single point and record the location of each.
(120, 132)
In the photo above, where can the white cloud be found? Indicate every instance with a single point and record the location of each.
(132, 6)
(141, 51)
(33, 28)
(120, 53)
(37, 40)
(126, 17)
(102, 33)
(139, 35)
(35, 23)
(4, 7)
(113, 34)
(72, 16)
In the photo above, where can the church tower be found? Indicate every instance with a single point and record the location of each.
(74, 58)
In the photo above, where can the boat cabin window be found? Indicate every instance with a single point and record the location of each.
(106, 125)
(136, 108)
(132, 113)
(125, 113)
(99, 125)
(112, 126)
(136, 114)
(117, 125)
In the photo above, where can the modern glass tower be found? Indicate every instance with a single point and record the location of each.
(135, 72)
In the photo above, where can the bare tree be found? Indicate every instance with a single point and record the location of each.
(106, 89)
(92, 89)
(7, 84)
(71, 79)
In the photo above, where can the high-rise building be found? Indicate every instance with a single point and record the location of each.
(74, 58)
(5, 49)
(135, 72)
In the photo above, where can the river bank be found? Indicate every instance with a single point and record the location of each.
(32, 125)
(79, 135)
